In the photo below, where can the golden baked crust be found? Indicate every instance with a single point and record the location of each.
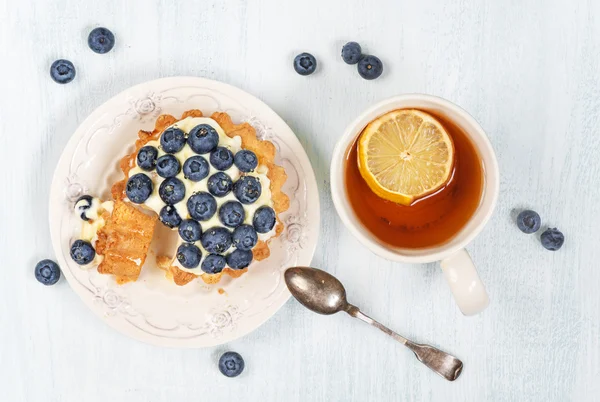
(124, 241)
(264, 150)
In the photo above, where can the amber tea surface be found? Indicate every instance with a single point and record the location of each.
(432, 220)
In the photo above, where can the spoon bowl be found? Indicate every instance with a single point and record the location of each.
(316, 290)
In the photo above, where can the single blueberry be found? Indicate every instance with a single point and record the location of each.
(47, 272)
(195, 168)
(190, 230)
(188, 255)
(168, 166)
(172, 140)
(219, 184)
(216, 240)
(264, 219)
(82, 205)
(202, 206)
(203, 138)
(529, 221)
(221, 158)
(171, 190)
(246, 161)
(351, 53)
(232, 214)
(146, 158)
(231, 364)
(169, 216)
(62, 71)
(305, 64)
(101, 40)
(82, 252)
(139, 187)
(552, 239)
(213, 264)
(239, 259)
(247, 189)
(244, 237)
(370, 67)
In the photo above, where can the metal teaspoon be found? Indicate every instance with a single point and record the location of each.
(323, 293)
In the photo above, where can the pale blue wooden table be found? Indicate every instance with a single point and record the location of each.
(529, 71)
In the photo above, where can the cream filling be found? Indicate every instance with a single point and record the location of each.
(89, 229)
(155, 203)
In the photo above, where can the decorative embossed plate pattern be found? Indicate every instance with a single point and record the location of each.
(153, 309)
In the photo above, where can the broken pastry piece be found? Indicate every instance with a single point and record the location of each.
(119, 236)
(124, 242)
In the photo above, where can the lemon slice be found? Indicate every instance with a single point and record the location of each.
(405, 155)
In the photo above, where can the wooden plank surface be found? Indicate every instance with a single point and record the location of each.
(528, 71)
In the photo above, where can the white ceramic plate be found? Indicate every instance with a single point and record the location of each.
(153, 309)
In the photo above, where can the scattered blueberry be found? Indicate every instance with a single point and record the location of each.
(221, 158)
(239, 259)
(203, 138)
(146, 158)
(195, 168)
(264, 219)
(47, 272)
(189, 255)
(529, 221)
(82, 252)
(172, 140)
(171, 190)
(305, 64)
(216, 240)
(244, 237)
(169, 216)
(552, 239)
(351, 53)
(232, 214)
(62, 71)
(139, 187)
(213, 264)
(231, 364)
(370, 67)
(245, 160)
(168, 166)
(82, 204)
(202, 206)
(101, 40)
(190, 230)
(219, 184)
(247, 189)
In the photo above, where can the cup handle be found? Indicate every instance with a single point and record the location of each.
(467, 289)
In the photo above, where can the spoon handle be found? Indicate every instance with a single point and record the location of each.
(440, 362)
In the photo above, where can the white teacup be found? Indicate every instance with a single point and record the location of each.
(458, 268)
